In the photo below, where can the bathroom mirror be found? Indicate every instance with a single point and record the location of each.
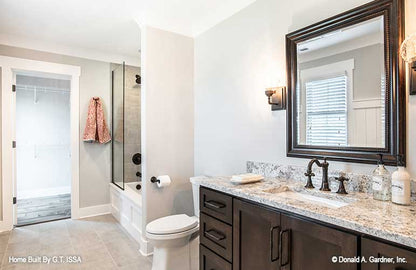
(346, 88)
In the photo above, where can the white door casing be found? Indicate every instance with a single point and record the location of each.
(9, 67)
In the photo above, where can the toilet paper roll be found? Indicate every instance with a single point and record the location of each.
(164, 181)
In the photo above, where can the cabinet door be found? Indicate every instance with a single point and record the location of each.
(375, 249)
(307, 245)
(255, 237)
(208, 260)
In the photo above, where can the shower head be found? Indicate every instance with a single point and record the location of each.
(138, 79)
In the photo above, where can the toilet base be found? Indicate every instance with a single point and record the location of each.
(177, 257)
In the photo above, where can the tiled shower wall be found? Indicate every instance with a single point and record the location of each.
(132, 131)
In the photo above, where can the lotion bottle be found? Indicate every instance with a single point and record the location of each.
(381, 182)
(400, 184)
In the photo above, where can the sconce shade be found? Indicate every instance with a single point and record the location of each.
(408, 49)
(408, 53)
(276, 97)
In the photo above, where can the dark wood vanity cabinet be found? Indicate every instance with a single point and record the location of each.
(267, 239)
(307, 245)
(375, 249)
(256, 236)
(252, 236)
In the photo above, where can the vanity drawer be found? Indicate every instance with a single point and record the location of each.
(216, 204)
(208, 260)
(217, 236)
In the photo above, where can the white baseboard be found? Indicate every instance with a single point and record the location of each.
(146, 249)
(43, 192)
(95, 210)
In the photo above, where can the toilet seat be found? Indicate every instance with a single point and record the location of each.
(172, 225)
(172, 236)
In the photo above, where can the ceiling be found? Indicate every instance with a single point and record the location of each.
(373, 28)
(106, 26)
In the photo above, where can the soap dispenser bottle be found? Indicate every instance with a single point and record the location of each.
(381, 182)
(400, 184)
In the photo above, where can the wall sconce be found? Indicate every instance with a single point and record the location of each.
(276, 96)
(408, 53)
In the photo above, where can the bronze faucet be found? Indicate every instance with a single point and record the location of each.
(324, 165)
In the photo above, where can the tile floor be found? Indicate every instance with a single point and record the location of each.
(36, 210)
(100, 242)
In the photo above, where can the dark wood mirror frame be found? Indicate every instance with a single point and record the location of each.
(393, 12)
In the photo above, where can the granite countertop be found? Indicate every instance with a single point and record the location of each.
(384, 220)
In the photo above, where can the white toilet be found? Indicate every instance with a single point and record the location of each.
(175, 239)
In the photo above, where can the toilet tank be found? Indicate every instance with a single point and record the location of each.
(195, 196)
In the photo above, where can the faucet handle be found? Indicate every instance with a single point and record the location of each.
(309, 174)
(341, 188)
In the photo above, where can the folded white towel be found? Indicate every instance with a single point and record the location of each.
(246, 177)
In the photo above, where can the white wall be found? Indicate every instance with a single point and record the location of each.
(234, 62)
(95, 159)
(167, 121)
(43, 136)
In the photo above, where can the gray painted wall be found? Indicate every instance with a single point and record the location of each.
(95, 159)
(234, 62)
(167, 122)
(368, 63)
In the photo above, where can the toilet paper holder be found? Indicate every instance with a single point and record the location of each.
(154, 180)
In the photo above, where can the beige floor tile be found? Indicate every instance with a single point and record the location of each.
(4, 237)
(100, 241)
(23, 248)
(94, 253)
(3, 247)
(79, 226)
(115, 234)
(54, 239)
(106, 264)
(22, 267)
(85, 239)
(57, 250)
(60, 267)
(137, 266)
(23, 234)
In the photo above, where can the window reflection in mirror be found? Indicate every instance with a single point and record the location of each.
(341, 87)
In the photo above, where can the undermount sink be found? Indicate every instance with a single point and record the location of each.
(315, 197)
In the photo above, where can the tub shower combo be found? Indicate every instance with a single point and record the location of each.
(125, 189)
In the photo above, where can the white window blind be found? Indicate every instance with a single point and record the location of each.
(326, 111)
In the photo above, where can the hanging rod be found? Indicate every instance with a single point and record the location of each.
(27, 87)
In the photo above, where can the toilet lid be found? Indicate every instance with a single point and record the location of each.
(172, 224)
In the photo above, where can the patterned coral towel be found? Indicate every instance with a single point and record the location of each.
(96, 129)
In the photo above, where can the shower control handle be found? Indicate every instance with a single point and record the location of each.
(137, 159)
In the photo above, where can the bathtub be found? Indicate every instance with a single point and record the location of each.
(126, 207)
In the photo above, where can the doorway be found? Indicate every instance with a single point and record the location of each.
(43, 148)
(10, 68)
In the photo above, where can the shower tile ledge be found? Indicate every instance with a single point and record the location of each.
(384, 220)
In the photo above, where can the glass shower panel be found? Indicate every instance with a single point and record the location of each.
(118, 125)
(126, 145)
